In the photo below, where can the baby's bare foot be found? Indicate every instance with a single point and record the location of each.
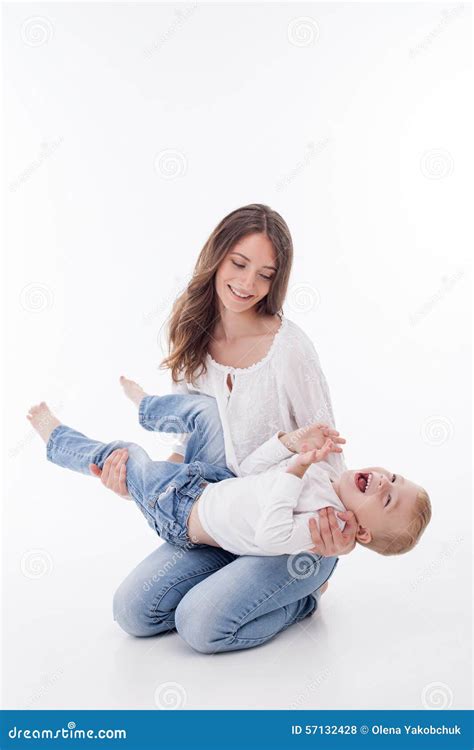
(132, 390)
(43, 420)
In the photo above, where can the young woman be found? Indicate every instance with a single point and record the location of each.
(229, 339)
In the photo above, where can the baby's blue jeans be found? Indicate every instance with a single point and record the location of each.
(165, 491)
(217, 601)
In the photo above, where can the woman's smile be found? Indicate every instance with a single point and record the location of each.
(237, 294)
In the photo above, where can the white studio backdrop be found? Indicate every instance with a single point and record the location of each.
(131, 130)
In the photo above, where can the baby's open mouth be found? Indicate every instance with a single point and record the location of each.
(363, 480)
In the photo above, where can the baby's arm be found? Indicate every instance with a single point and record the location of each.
(275, 531)
(270, 453)
(279, 531)
(300, 463)
(285, 444)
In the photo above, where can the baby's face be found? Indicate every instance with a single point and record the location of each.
(381, 501)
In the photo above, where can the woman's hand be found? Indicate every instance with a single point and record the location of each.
(314, 435)
(329, 540)
(114, 472)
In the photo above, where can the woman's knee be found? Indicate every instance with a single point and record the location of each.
(199, 625)
(140, 614)
(129, 612)
(204, 624)
(145, 602)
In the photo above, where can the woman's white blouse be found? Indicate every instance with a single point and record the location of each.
(285, 390)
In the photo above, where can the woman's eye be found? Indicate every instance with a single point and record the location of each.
(267, 278)
(388, 500)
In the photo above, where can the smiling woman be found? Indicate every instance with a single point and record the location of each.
(228, 338)
(236, 293)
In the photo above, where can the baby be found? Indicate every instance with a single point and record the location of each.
(265, 511)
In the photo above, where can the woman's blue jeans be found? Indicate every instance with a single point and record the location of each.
(217, 601)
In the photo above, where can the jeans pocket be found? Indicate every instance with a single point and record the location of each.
(164, 509)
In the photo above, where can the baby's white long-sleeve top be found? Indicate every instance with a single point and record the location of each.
(266, 510)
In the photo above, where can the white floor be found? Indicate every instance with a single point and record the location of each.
(391, 633)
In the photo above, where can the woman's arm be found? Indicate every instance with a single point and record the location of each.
(309, 401)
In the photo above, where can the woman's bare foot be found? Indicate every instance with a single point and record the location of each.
(43, 420)
(132, 390)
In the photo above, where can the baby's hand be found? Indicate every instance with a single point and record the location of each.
(313, 455)
(313, 436)
(299, 464)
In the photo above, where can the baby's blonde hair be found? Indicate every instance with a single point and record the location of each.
(398, 544)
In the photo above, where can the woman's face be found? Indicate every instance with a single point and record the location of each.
(245, 274)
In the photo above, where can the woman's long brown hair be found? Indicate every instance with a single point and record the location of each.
(195, 312)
